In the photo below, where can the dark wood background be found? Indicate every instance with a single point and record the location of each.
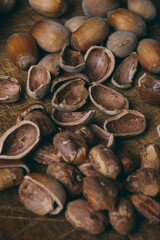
(16, 223)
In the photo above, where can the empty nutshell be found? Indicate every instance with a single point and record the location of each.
(81, 215)
(70, 96)
(68, 175)
(36, 113)
(72, 147)
(122, 19)
(6, 6)
(125, 72)
(149, 89)
(19, 140)
(10, 89)
(42, 194)
(122, 43)
(105, 161)
(22, 50)
(99, 64)
(123, 218)
(149, 55)
(38, 82)
(127, 124)
(50, 35)
(108, 100)
(75, 22)
(100, 192)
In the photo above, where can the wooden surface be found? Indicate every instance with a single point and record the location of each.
(15, 221)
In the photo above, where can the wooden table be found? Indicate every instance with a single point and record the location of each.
(15, 221)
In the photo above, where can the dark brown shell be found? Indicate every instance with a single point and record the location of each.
(70, 96)
(108, 100)
(99, 64)
(10, 90)
(127, 124)
(124, 75)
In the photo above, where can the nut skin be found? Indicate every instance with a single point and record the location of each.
(123, 218)
(92, 32)
(123, 19)
(105, 161)
(81, 215)
(49, 8)
(68, 175)
(149, 55)
(100, 192)
(22, 50)
(6, 5)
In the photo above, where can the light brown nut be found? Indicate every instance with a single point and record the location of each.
(81, 215)
(6, 5)
(105, 161)
(75, 22)
(68, 175)
(127, 124)
(42, 194)
(99, 64)
(10, 90)
(19, 140)
(108, 100)
(123, 218)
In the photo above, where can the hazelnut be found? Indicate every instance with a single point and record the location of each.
(87, 170)
(75, 22)
(6, 5)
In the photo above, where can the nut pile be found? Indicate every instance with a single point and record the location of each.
(85, 174)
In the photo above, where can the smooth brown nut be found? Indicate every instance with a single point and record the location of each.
(42, 194)
(92, 32)
(68, 175)
(145, 8)
(100, 192)
(6, 5)
(19, 140)
(81, 215)
(127, 124)
(49, 8)
(123, 19)
(22, 50)
(123, 218)
(99, 64)
(107, 100)
(37, 113)
(10, 90)
(124, 74)
(150, 156)
(99, 8)
(122, 43)
(149, 89)
(147, 207)
(50, 35)
(149, 55)
(75, 22)
(105, 161)
(88, 170)
(72, 147)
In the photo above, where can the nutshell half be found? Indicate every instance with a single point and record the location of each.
(10, 90)
(107, 100)
(99, 64)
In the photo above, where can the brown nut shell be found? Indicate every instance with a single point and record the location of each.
(75, 22)
(124, 74)
(19, 140)
(6, 5)
(68, 175)
(22, 50)
(88, 170)
(10, 90)
(99, 64)
(37, 113)
(49, 8)
(72, 118)
(50, 35)
(70, 96)
(123, 19)
(39, 193)
(127, 124)
(107, 100)
(92, 32)
(123, 218)
(81, 215)
(149, 55)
